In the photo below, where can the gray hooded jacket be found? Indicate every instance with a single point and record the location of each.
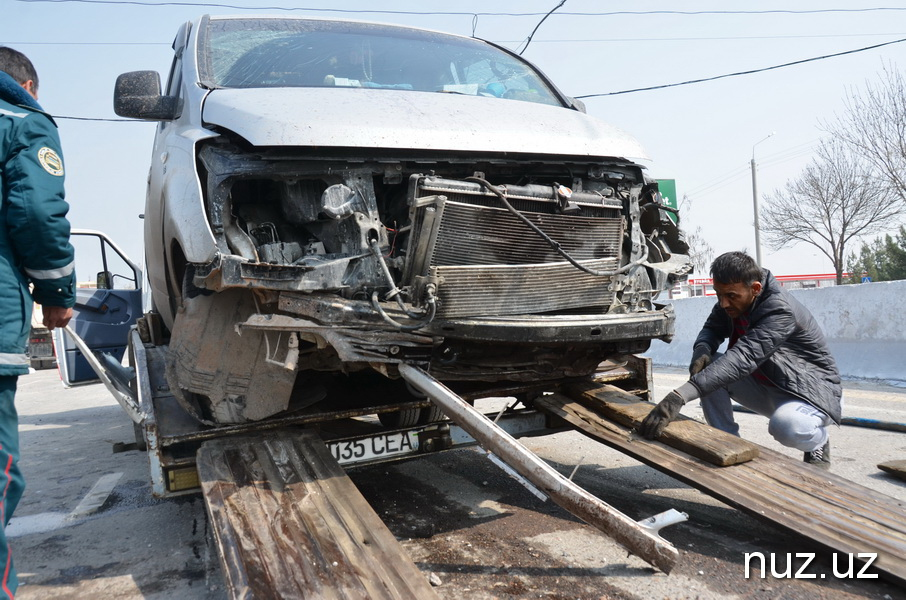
(783, 340)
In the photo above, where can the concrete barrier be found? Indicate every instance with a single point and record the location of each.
(862, 323)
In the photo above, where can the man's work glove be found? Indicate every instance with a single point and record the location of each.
(701, 358)
(661, 415)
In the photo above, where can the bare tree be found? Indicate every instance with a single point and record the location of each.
(700, 251)
(834, 200)
(874, 126)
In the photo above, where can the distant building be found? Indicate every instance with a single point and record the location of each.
(702, 286)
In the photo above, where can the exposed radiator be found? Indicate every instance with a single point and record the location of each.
(491, 263)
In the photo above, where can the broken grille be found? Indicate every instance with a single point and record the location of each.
(490, 263)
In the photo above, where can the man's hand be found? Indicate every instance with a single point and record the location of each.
(56, 316)
(701, 358)
(661, 415)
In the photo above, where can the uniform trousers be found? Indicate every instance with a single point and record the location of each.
(12, 484)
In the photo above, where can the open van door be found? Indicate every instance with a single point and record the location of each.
(108, 303)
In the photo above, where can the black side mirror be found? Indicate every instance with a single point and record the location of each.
(137, 96)
(104, 280)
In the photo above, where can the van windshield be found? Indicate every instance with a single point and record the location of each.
(263, 53)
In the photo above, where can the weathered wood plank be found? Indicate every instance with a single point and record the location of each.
(897, 468)
(290, 524)
(690, 436)
(830, 510)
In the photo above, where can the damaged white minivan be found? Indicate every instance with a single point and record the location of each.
(329, 199)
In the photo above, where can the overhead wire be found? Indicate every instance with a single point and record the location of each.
(546, 15)
(552, 41)
(718, 182)
(487, 13)
(734, 175)
(703, 38)
(739, 73)
(535, 30)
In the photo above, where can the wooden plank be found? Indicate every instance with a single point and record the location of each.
(897, 468)
(290, 523)
(826, 508)
(690, 436)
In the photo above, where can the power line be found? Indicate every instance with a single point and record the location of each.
(490, 14)
(87, 43)
(738, 73)
(706, 39)
(532, 34)
(719, 182)
(556, 41)
(58, 117)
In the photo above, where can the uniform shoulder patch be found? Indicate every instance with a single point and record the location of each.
(51, 161)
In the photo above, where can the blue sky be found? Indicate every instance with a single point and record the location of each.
(701, 135)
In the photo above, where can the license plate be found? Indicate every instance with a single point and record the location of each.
(383, 445)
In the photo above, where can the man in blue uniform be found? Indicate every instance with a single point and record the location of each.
(34, 250)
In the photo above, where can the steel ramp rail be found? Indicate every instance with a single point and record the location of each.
(838, 514)
(289, 523)
(640, 538)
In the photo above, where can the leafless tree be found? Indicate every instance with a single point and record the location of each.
(874, 126)
(700, 251)
(835, 199)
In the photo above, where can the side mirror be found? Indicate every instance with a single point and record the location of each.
(105, 280)
(137, 96)
(577, 105)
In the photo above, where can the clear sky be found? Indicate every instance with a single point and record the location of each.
(702, 135)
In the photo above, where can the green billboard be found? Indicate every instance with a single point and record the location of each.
(667, 188)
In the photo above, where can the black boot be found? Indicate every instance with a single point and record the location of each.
(820, 457)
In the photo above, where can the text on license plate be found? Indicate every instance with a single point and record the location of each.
(379, 446)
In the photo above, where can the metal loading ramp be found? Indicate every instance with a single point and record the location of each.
(830, 510)
(289, 523)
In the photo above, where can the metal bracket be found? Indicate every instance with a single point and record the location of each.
(655, 523)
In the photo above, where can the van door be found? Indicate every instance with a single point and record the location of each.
(108, 303)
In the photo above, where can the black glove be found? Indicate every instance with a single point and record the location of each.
(701, 358)
(661, 415)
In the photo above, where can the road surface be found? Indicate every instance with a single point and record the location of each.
(88, 527)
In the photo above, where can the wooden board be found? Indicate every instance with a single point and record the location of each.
(690, 436)
(897, 468)
(826, 508)
(289, 523)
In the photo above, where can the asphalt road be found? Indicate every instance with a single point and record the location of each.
(480, 533)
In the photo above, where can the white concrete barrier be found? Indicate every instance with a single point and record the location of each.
(863, 325)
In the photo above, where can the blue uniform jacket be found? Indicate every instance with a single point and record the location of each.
(34, 232)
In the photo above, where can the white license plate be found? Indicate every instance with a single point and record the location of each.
(383, 445)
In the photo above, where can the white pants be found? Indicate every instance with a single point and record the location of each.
(793, 422)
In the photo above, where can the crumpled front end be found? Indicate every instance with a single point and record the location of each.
(482, 268)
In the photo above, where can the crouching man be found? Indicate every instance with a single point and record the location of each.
(777, 363)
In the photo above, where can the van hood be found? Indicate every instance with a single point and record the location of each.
(393, 119)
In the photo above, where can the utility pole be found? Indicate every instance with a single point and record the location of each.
(755, 202)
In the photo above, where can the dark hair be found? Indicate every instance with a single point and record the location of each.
(16, 65)
(735, 267)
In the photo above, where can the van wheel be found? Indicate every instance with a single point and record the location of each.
(431, 414)
(409, 417)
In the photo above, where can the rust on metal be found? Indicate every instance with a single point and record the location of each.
(638, 540)
(289, 523)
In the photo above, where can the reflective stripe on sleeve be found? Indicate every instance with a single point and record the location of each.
(13, 114)
(51, 273)
(13, 359)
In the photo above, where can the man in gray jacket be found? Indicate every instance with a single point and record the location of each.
(777, 363)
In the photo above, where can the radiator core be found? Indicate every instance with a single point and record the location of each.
(489, 262)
